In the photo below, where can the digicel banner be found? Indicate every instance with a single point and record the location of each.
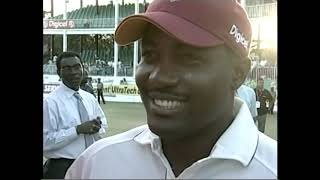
(58, 24)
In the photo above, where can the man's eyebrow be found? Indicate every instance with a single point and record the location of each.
(148, 43)
(188, 49)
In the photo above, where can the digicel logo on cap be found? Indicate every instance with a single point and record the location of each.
(234, 31)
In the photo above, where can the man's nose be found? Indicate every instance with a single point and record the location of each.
(163, 75)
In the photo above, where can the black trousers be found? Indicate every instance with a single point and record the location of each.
(100, 94)
(56, 168)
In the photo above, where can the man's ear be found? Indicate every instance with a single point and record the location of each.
(240, 71)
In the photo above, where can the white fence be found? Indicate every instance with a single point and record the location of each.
(264, 72)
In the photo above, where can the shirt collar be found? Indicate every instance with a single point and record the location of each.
(148, 137)
(238, 142)
(67, 91)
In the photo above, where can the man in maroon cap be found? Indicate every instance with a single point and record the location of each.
(194, 57)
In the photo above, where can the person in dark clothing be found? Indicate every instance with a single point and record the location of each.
(84, 83)
(264, 98)
(100, 91)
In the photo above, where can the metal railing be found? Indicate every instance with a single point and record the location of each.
(262, 10)
(264, 72)
(94, 70)
(49, 69)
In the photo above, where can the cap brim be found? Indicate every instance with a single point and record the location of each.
(132, 28)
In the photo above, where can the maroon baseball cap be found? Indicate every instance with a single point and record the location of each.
(200, 23)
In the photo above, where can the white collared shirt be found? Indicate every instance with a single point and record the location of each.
(60, 118)
(248, 95)
(241, 152)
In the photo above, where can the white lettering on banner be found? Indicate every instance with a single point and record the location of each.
(56, 24)
(71, 24)
(48, 88)
(45, 24)
(113, 90)
(239, 36)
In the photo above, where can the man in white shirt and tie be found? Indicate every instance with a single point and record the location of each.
(72, 118)
(248, 95)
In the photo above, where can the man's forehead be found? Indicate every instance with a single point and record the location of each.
(182, 47)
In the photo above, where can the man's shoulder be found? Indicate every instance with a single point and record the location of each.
(266, 153)
(248, 89)
(54, 95)
(111, 152)
(266, 91)
(112, 141)
(86, 94)
(87, 86)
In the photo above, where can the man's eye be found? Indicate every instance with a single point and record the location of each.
(191, 60)
(66, 68)
(148, 56)
(194, 63)
(77, 67)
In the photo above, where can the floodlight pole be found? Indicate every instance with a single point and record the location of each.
(65, 41)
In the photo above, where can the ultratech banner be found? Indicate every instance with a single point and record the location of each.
(131, 90)
(109, 90)
(58, 24)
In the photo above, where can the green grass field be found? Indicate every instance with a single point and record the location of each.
(124, 116)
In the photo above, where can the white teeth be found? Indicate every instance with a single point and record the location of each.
(167, 104)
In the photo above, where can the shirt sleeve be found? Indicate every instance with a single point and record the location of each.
(269, 96)
(99, 112)
(253, 107)
(54, 138)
